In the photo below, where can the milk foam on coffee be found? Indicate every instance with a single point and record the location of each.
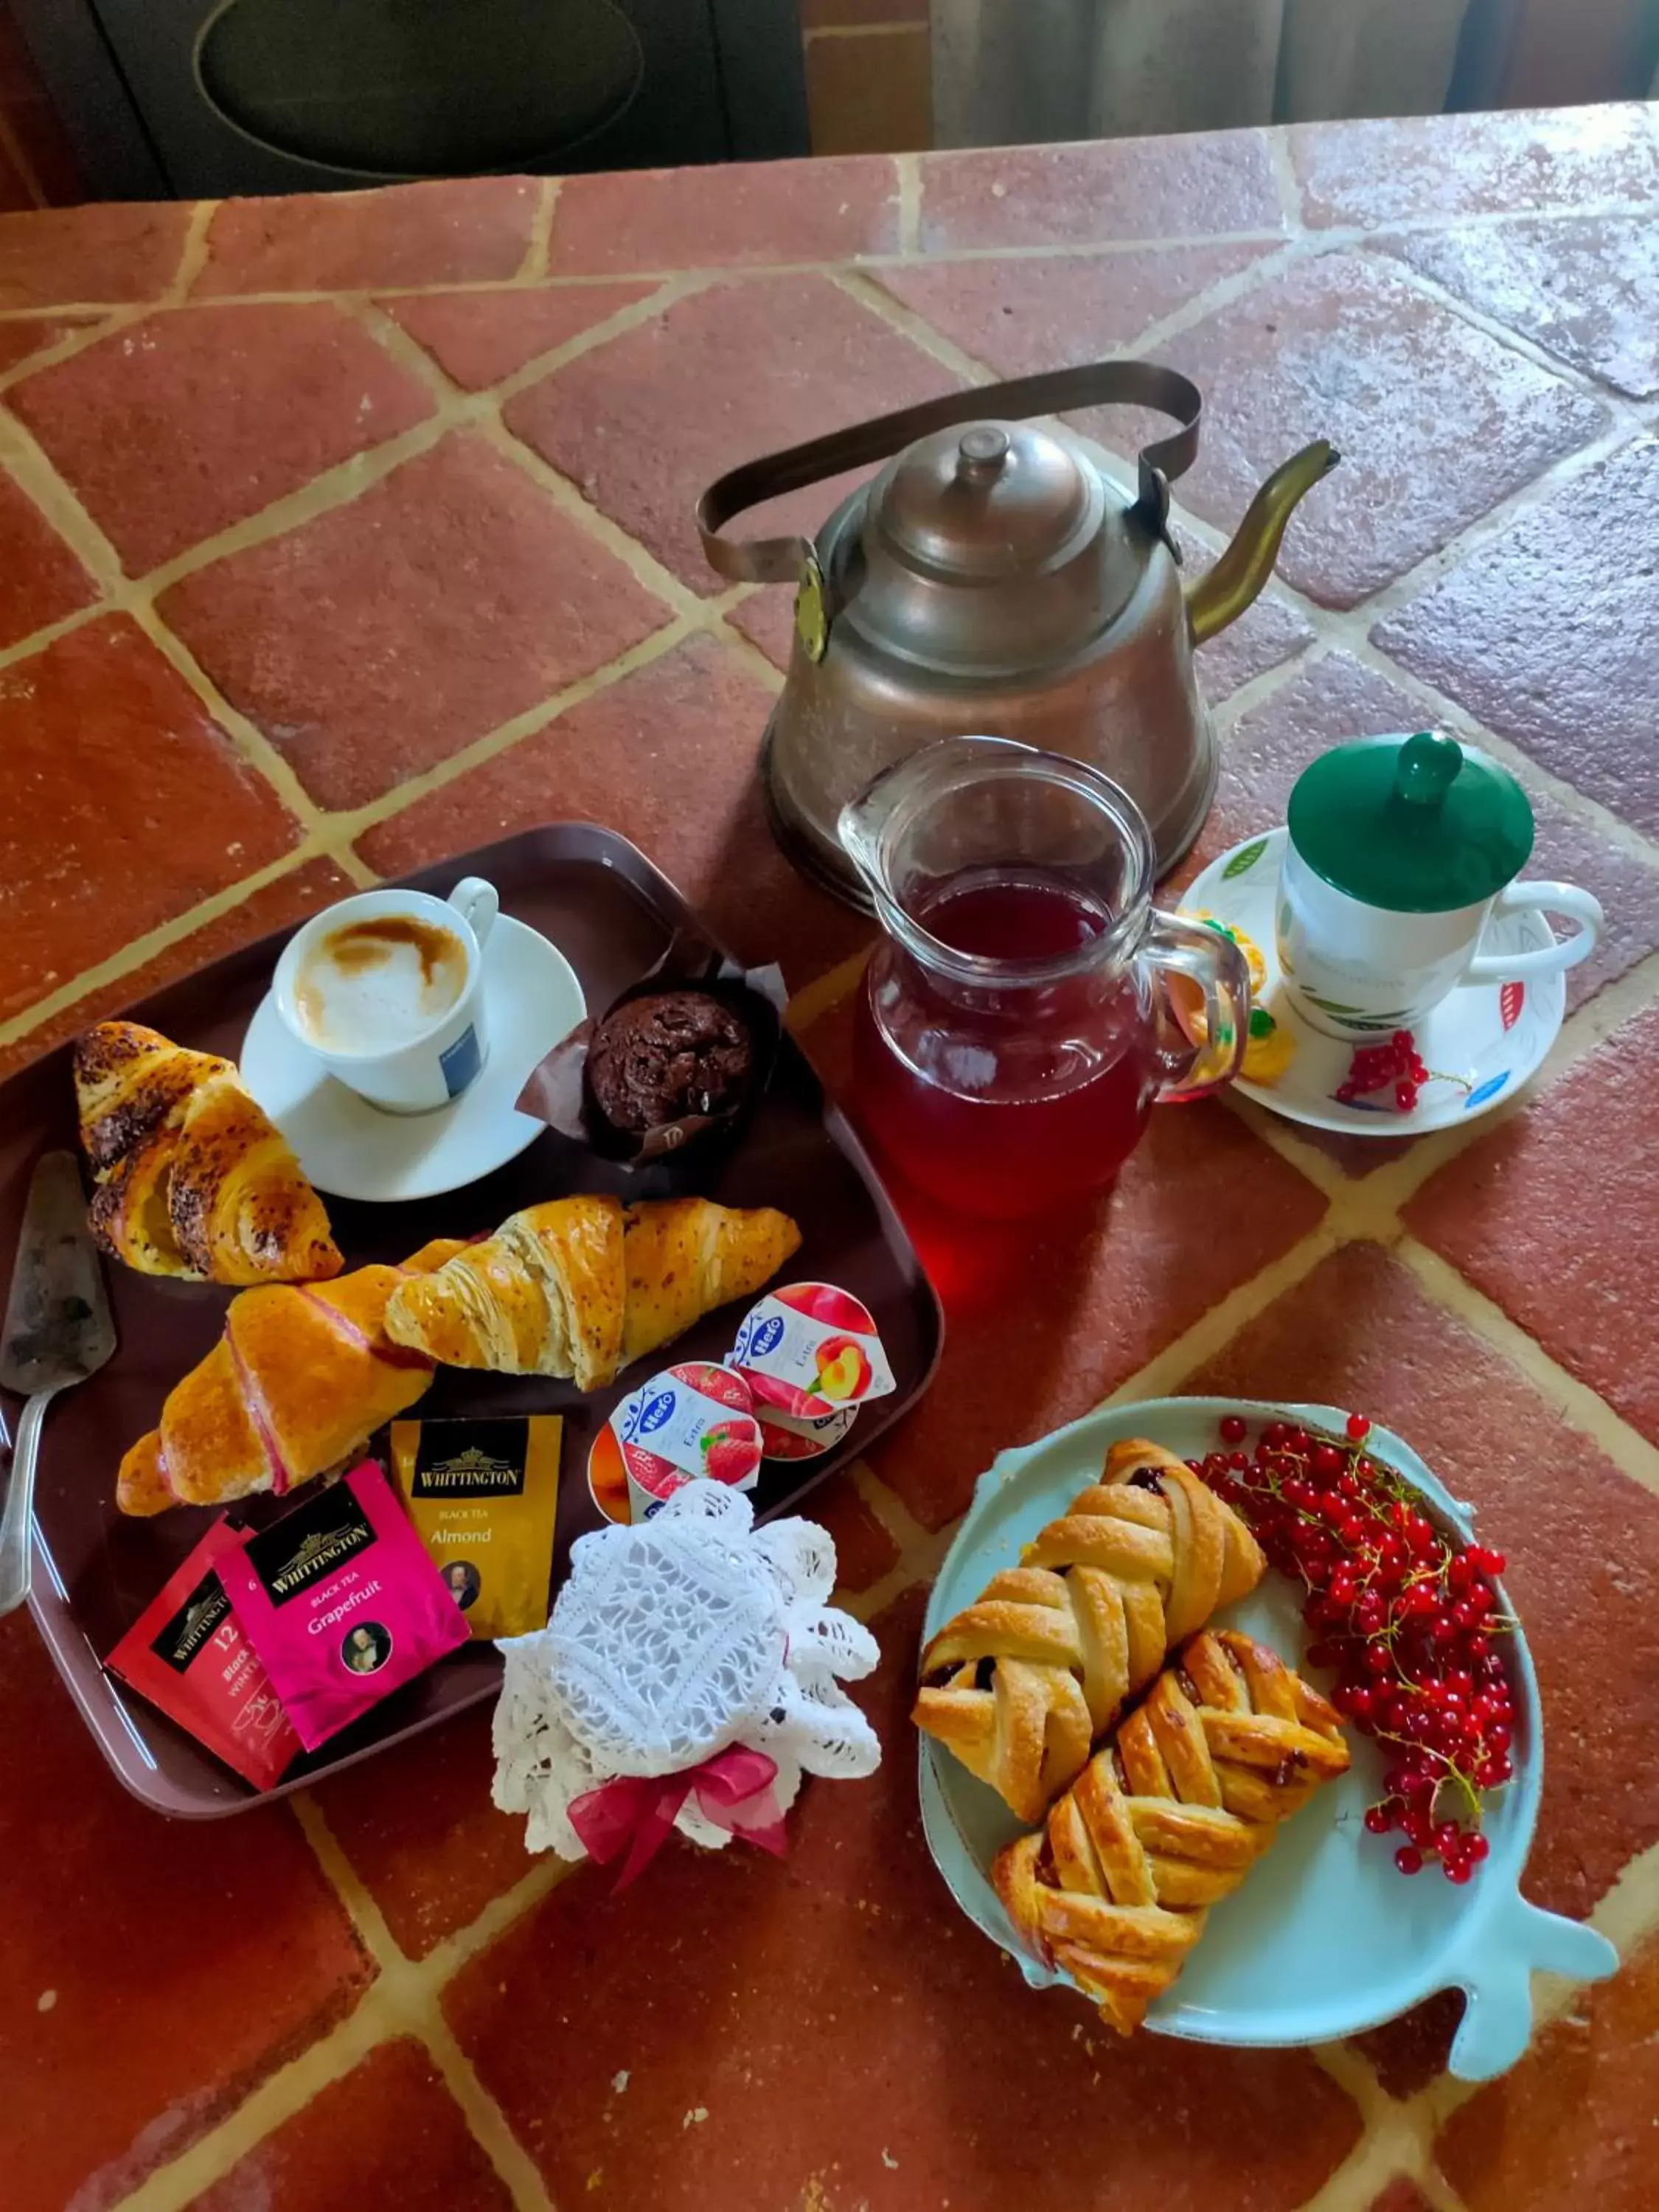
(372, 985)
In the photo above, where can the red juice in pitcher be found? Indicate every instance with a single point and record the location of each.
(1006, 1094)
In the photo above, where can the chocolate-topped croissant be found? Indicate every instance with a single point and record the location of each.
(193, 1178)
(1021, 1684)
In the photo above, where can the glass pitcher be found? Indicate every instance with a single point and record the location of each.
(1029, 1005)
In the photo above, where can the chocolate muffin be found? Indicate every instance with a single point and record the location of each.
(666, 1054)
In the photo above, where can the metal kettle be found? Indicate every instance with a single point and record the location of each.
(995, 577)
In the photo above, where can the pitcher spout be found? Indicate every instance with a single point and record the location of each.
(1221, 595)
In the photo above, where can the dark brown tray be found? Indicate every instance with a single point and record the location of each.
(611, 913)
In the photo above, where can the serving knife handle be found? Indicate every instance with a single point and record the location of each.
(16, 1527)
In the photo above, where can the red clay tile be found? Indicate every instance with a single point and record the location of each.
(479, 337)
(768, 619)
(724, 218)
(286, 901)
(18, 340)
(457, 231)
(1434, 421)
(1443, 167)
(864, 1550)
(388, 2134)
(1549, 633)
(160, 1970)
(1360, 1331)
(1098, 193)
(1582, 289)
(1574, 2124)
(126, 251)
(418, 1827)
(384, 635)
(666, 755)
(1410, 2053)
(173, 430)
(1509, 1213)
(1044, 1319)
(1402, 2196)
(1337, 697)
(126, 806)
(40, 580)
(828, 2030)
(1019, 317)
(750, 366)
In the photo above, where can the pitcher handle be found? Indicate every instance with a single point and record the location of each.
(1203, 974)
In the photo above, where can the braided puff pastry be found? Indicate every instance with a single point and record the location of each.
(1021, 1683)
(1168, 1819)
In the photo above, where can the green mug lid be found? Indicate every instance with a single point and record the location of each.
(1420, 825)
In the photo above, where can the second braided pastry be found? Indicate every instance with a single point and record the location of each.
(1021, 1684)
(1168, 1819)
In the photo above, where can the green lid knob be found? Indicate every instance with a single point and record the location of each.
(1428, 767)
(1415, 825)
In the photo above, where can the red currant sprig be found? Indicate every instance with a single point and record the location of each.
(1380, 1066)
(1404, 1619)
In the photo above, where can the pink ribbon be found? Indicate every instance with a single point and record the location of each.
(634, 1813)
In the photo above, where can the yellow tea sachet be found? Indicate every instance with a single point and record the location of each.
(482, 1495)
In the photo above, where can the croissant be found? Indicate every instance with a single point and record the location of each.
(1021, 1683)
(1168, 1819)
(302, 1376)
(581, 1287)
(193, 1178)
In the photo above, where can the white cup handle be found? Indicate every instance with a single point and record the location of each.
(478, 903)
(1582, 906)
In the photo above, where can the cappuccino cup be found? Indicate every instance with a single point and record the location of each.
(386, 991)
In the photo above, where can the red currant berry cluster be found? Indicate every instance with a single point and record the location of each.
(1405, 1621)
(1383, 1066)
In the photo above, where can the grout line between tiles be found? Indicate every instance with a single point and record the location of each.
(908, 166)
(1389, 2143)
(1277, 140)
(537, 246)
(192, 258)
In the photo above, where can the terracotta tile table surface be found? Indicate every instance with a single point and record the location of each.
(338, 535)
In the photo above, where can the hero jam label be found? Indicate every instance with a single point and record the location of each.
(180, 1643)
(491, 1464)
(324, 1533)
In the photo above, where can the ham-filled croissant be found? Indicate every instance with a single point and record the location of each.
(581, 1287)
(193, 1178)
(302, 1376)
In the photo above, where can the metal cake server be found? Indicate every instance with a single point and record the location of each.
(57, 1331)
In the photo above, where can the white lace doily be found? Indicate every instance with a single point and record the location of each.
(669, 1642)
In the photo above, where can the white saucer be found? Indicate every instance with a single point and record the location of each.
(1479, 1044)
(350, 1149)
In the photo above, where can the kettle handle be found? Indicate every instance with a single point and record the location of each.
(1095, 384)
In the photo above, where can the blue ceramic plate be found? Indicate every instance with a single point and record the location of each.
(1326, 1937)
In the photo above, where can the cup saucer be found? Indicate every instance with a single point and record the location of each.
(350, 1149)
(1480, 1043)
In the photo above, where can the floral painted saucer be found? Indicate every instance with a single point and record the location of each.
(1479, 1044)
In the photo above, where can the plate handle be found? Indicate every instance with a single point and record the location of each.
(1514, 1942)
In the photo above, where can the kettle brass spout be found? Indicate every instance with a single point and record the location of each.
(1222, 595)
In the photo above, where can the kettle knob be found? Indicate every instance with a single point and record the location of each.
(982, 454)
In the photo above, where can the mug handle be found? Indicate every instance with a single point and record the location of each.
(477, 904)
(1582, 906)
(1208, 985)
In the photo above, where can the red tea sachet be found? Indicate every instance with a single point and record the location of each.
(189, 1656)
(342, 1603)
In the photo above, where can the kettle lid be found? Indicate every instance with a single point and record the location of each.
(994, 500)
(1418, 825)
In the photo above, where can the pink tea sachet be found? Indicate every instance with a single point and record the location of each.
(189, 1656)
(342, 1603)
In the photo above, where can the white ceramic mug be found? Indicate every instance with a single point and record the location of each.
(1352, 970)
(437, 1061)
